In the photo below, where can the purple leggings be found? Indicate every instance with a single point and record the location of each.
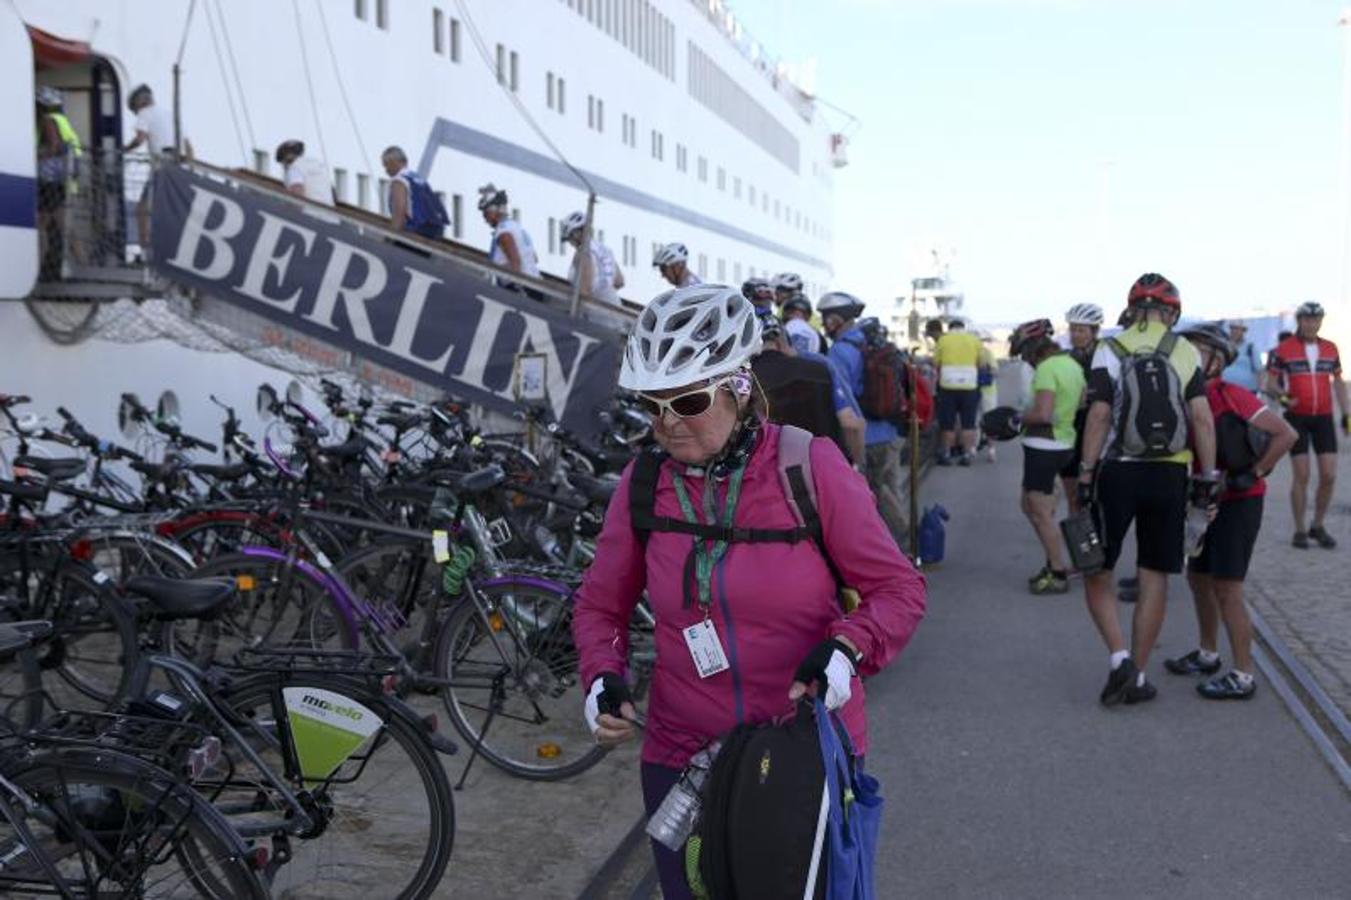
(657, 781)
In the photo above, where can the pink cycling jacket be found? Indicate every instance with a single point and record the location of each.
(772, 602)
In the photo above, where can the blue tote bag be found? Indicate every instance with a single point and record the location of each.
(855, 814)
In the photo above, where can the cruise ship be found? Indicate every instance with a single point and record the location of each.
(684, 127)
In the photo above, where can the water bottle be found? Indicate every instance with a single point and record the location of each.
(1197, 523)
(673, 821)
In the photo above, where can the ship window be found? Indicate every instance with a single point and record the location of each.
(600, 114)
(562, 96)
(590, 110)
(515, 71)
(750, 189)
(384, 196)
(736, 273)
(438, 31)
(722, 271)
(549, 89)
(703, 169)
(260, 161)
(553, 235)
(501, 64)
(456, 213)
(361, 9)
(382, 14)
(340, 184)
(703, 266)
(363, 191)
(516, 213)
(736, 187)
(722, 178)
(454, 40)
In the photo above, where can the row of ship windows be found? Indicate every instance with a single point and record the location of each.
(446, 38)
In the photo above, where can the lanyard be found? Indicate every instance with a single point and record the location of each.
(706, 556)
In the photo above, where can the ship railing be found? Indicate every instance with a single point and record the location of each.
(93, 228)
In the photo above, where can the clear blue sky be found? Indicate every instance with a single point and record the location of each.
(1062, 147)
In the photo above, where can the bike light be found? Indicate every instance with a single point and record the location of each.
(245, 582)
(548, 751)
(82, 550)
(495, 621)
(258, 858)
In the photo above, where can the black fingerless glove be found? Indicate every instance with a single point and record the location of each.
(1084, 491)
(1204, 491)
(614, 693)
(813, 666)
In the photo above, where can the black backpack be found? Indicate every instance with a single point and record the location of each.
(1238, 445)
(761, 828)
(1152, 422)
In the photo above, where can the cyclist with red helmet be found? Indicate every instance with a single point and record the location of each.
(1305, 371)
(1147, 410)
(1048, 440)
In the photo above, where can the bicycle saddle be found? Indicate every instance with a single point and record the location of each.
(190, 598)
(62, 469)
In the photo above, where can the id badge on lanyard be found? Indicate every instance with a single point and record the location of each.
(701, 638)
(705, 649)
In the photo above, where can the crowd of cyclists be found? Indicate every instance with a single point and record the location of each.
(1160, 427)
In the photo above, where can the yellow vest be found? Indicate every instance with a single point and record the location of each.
(67, 133)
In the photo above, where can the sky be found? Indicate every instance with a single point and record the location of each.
(1053, 150)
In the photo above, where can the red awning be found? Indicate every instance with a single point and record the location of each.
(50, 51)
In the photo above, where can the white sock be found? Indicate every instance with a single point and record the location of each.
(1140, 679)
(1243, 677)
(1119, 657)
(1206, 656)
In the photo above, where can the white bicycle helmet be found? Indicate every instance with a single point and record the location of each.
(1085, 314)
(788, 281)
(491, 196)
(841, 304)
(669, 255)
(689, 335)
(48, 97)
(1311, 309)
(571, 224)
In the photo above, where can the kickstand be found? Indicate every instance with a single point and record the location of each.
(483, 732)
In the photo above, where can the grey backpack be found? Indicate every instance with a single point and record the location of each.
(1152, 421)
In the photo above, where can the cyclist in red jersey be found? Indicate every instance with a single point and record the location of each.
(1216, 573)
(1305, 371)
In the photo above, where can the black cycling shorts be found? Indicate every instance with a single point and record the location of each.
(1317, 430)
(1230, 540)
(954, 405)
(1153, 495)
(1041, 467)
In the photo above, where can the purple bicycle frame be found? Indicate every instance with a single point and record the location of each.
(352, 610)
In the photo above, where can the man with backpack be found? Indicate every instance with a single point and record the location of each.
(1246, 369)
(1250, 440)
(807, 390)
(413, 205)
(1147, 410)
(883, 405)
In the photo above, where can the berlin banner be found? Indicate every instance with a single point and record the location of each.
(418, 315)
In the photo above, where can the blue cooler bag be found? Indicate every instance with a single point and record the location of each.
(853, 814)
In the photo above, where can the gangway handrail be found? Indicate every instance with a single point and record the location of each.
(556, 289)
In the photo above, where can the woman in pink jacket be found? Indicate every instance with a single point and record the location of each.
(744, 626)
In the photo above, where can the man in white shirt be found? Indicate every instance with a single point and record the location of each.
(596, 270)
(304, 175)
(511, 246)
(155, 130)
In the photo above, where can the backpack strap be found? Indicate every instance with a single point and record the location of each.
(1166, 345)
(799, 488)
(1118, 349)
(644, 518)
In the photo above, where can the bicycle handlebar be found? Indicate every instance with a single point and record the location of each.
(8, 400)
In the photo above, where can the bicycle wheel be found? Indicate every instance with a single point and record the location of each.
(388, 812)
(512, 673)
(109, 825)
(123, 554)
(94, 646)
